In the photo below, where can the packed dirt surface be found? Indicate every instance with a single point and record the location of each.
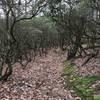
(40, 80)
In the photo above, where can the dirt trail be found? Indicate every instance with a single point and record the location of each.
(40, 80)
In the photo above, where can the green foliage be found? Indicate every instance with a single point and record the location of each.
(37, 33)
(97, 97)
(81, 85)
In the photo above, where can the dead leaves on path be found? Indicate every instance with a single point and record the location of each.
(41, 80)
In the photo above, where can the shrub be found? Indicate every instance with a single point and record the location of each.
(79, 84)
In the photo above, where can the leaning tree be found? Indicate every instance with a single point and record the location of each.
(12, 13)
(78, 23)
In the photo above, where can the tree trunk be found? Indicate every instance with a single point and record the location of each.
(74, 48)
(7, 73)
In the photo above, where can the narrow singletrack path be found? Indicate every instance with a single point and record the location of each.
(40, 80)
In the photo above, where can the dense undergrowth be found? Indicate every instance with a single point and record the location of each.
(79, 85)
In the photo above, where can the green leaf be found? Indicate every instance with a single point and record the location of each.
(97, 97)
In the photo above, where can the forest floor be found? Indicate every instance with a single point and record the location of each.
(41, 79)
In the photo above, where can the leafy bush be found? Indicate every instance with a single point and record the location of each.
(79, 84)
(96, 97)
